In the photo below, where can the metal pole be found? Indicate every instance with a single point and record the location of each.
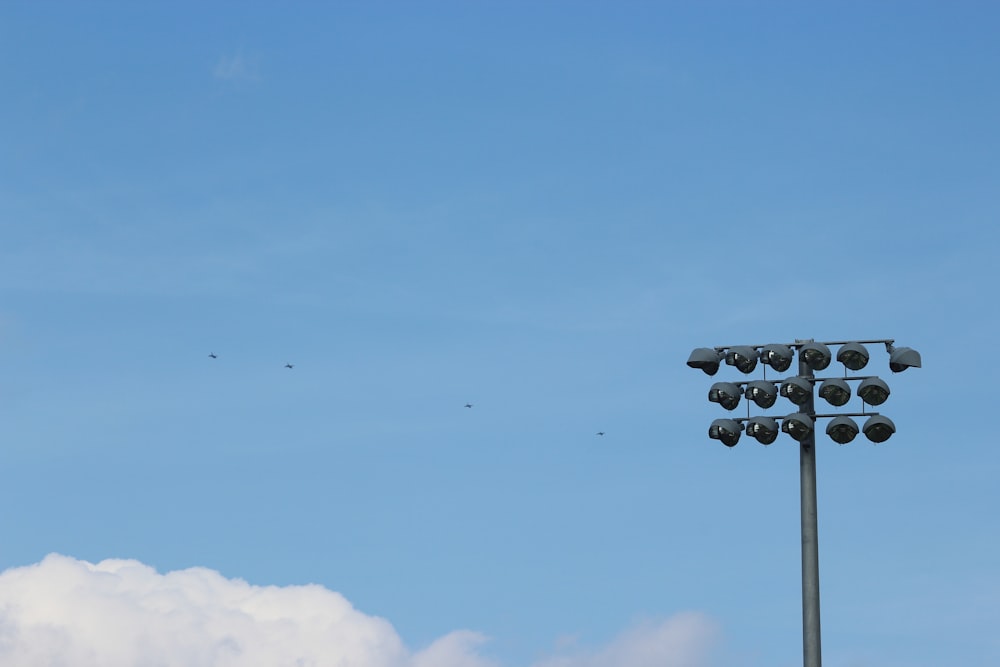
(811, 650)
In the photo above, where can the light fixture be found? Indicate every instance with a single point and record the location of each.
(853, 355)
(764, 429)
(706, 359)
(762, 392)
(901, 358)
(873, 391)
(726, 430)
(836, 391)
(798, 425)
(816, 355)
(796, 389)
(802, 425)
(842, 429)
(878, 428)
(725, 394)
(777, 356)
(743, 357)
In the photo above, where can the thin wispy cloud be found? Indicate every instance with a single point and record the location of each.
(684, 640)
(121, 613)
(235, 68)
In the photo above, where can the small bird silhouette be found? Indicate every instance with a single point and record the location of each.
(600, 433)
(289, 365)
(468, 405)
(212, 354)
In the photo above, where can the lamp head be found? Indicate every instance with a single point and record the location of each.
(798, 425)
(901, 358)
(796, 389)
(762, 392)
(764, 429)
(878, 428)
(853, 355)
(873, 391)
(743, 357)
(726, 394)
(726, 430)
(816, 355)
(842, 430)
(835, 391)
(706, 359)
(777, 356)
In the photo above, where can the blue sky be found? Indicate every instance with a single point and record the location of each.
(536, 208)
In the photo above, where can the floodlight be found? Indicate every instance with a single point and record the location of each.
(796, 389)
(798, 425)
(873, 391)
(762, 392)
(764, 429)
(878, 428)
(743, 357)
(901, 358)
(706, 359)
(816, 355)
(842, 429)
(853, 355)
(835, 391)
(777, 356)
(725, 394)
(726, 430)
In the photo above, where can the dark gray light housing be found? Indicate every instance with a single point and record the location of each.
(726, 430)
(842, 430)
(777, 356)
(816, 355)
(796, 389)
(901, 358)
(853, 355)
(878, 428)
(762, 392)
(798, 425)
(725, 394)
(873, 391)
(835, 391)
(764, 429)
(743, 357)
(706, 359)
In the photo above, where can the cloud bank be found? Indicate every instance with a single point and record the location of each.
(122, 613)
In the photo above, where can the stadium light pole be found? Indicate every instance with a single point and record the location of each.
(800, 389)
(812, 653)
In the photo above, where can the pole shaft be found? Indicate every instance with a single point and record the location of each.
(811, 649)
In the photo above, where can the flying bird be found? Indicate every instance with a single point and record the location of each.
(212, 354)
(468, 405)
(289, 365)
(600, 433)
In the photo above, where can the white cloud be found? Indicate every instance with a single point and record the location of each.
(456, 649)
(235, 68)
(122, 613)
(683, 640)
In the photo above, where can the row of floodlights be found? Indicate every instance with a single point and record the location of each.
(800, 426)
(815, 355)
(798, 390)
